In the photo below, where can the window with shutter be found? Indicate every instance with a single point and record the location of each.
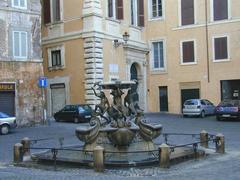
(51, 11)
(56, 10)
(220, 10)
(220, 48)
(20, 44)
(158, 61)
(21, 4)
(119, 6)
(115, 9)
(137, 12)
(156, 7)
(188, 55)
(110, 8)
(140, 13)
(46, 11)
(56, 58)
(187, 12)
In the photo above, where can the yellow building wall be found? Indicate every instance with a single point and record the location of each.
(74, 68)
(169, 30)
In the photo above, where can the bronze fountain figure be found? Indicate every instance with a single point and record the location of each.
(120, 126)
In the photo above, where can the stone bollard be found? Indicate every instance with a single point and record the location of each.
(220, 144)
(18, 153)
(164, 156)
(26, 146)
(204, 139)
(98, 158)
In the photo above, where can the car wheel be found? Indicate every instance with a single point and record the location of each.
(4, 129)
(184, 115)
(76, 120)
(202, 115)
(218, 118)
(56, 119)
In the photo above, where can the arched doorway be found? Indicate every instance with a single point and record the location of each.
(133, 71)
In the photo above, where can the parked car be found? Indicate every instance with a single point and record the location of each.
(76, 113)
(7, 123)
(228, 109)
(198, 107)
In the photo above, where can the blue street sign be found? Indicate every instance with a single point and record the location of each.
(42, 82)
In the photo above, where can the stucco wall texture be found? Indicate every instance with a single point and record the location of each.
(24, 73)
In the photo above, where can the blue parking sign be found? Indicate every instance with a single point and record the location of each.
(42, 82)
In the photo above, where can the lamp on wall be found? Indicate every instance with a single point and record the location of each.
(116, 43)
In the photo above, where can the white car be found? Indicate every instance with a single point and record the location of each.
(6, 123)
(198, 107)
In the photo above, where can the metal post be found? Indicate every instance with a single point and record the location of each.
(18, 153)
(98, 158)
(43, 107)
(220, 143)
(204, 139)
(26, 146)
(195, 145)
(164, 153)
(54, 153)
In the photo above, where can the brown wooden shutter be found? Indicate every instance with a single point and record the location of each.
(220, 45)
(140, 13)
(220, 9)
(119, 9)
(188, 51)
(110, 8)
(187, 11)
(46, 11)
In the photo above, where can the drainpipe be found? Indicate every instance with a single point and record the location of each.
(207, 44)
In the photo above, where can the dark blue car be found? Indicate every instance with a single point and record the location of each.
(75, 113)
(228, 109)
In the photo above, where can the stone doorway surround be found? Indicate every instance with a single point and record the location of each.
(56, 80)
(138, 56)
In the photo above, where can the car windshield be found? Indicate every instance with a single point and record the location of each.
(191, 102)
(80, 109)
(230, 103)
(86, 107)
(3, 115)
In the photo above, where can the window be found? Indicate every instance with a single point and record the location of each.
(220, 9)
(157, 8)
(158, 56)
(137, 12)
(220, 48)
(22, 4)
(56, 58)
(51, 11)
(188, 52)
(187, 12)
(20, 44)
(115, 9)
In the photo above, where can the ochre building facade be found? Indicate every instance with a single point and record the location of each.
(177, 49)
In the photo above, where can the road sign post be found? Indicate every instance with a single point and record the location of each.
(42, 83)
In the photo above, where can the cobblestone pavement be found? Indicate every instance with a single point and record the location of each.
(212, 167)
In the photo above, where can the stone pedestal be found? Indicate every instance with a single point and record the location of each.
(98, 158)
(204, 139)
(18, 153)
(164, 153)
(26, 146)
(220, 143)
